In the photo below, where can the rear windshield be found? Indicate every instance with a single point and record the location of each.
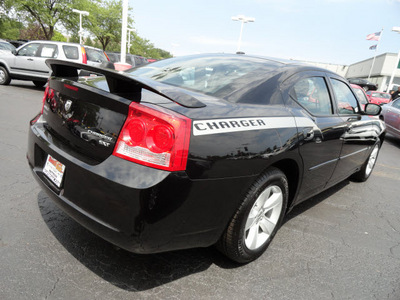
(217, 76)
(95, 55)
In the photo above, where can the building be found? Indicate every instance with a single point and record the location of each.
(383, 67)
(381, 72)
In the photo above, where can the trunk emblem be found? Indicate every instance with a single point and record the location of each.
(68, 105)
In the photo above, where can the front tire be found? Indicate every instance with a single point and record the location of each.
(368, 166)
(5, 78)
(257, 219)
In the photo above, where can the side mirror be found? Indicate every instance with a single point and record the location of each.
(14, 52)
(372, 109)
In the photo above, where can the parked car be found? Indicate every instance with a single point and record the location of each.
(208, 149)
(17, 43)
(131, 61)
(4, 45)
(378, 97)
(28, 61)
(365, 84)
(391, 115)
(361, 95)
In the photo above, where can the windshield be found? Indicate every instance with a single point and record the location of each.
(218, 76)
(361, 96)
(380, 95)
(6, 46)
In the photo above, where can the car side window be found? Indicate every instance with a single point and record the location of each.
(29, 50)
(49, 51)
(346, 101)
(312, 93)
(396, 104)
(71, 52)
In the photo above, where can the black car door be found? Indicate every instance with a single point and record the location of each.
(359, 135)
(319, 129)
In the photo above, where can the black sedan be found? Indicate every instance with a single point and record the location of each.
(199, 150)
(364, 83)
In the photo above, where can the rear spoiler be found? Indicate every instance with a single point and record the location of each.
(124, 83)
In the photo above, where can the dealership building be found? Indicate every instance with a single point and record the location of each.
(381, 72)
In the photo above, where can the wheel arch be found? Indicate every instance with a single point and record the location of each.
(4, 65)
(291, 169)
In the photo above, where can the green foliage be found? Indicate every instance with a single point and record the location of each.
(144, 47)
(42, 17)
(105, 21)
(9, 29)
(58, 36)
(43, 12)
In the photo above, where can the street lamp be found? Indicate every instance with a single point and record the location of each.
(129, 38)
(242, 19)
(395, 29)
(80, 12)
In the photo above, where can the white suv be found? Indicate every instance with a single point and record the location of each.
(28, 61)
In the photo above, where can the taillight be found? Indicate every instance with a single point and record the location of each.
(106, 55)
(46, 91)
(154, 138)
(84, 56)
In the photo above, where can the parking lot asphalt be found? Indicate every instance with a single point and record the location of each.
(341, 244)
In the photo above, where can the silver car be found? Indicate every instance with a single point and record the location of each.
(28, 61)
(6, 46)
(391, 115)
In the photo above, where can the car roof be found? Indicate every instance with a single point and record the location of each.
(63, 43)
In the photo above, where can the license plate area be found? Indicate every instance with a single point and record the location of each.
(54, 170)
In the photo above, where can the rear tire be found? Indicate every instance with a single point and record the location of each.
(257, 219)
(39, 83)
(368, 166)
(5, 78)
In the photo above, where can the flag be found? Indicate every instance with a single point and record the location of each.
(374, 36)
(373, 47)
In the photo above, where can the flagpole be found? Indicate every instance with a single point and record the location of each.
(376, 48)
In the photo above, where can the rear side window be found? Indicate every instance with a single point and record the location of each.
(71, 52)
(312, 93)
(48, 51)
(346, 102)
(396, 104)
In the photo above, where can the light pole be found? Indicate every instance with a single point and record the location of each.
(129, 38)
(242, 19)
(125, 8)
(395, 29)
(80, 12)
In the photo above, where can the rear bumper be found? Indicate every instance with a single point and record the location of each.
(140, 209)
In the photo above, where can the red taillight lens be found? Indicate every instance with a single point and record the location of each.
(46, 92)
(106, 55)
(154, 138)
(84, 56)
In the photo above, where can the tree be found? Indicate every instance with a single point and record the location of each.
(9, 29)
(46, 13)
(144, 47)
(105, 21)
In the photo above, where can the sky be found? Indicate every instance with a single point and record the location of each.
(327, 31)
